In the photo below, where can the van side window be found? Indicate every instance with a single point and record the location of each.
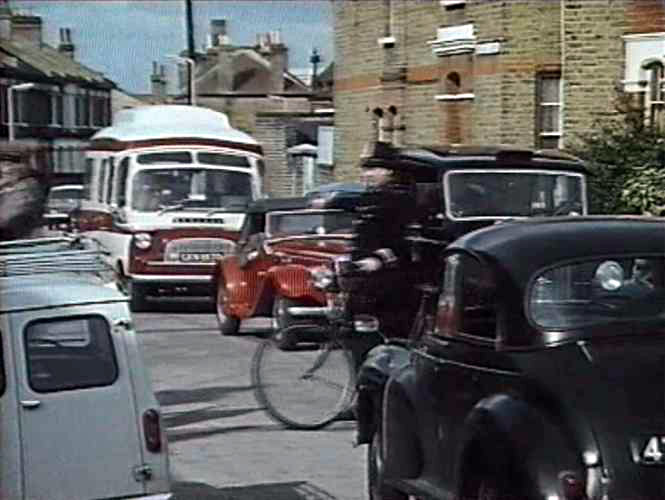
(87, 180)
(70, 353)
(121, 182)
(110, 180)
(101, 181)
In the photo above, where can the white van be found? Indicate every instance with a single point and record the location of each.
(166, 189)
(78, 418)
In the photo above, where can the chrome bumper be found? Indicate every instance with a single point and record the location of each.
(171, 278)
(308, 311)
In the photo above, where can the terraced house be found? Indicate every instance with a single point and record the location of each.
(56, 102)
(532, 73)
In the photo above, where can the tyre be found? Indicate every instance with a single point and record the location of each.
(282, 320)
(228, 325)
(305, 388)
(135, 292)
(376, 489)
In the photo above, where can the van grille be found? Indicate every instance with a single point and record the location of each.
(197, 250)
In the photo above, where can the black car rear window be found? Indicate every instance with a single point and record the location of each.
(70, 353)
(599, 292)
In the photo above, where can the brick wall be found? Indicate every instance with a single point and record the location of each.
(503, 103)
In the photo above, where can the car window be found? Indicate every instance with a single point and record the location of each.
(467, 304)
(598, 291)
(70, 353)
(294, 223)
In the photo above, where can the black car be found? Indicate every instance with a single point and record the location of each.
(541, 375)
(422, 197)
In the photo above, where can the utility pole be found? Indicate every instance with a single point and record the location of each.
(190, 49)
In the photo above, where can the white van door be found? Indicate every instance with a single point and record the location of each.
(79, 428)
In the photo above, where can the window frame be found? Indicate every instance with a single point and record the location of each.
(540, 132)
(111, 343)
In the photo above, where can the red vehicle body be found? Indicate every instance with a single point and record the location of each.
(282, 239)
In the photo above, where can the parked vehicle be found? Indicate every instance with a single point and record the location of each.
(541, 375)
(268, 275)
(166, 192)
(79, 419)
(61, 202)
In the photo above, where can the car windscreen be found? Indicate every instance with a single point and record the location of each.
(496, 194)
(65, 194)
(321, 222)
(597, 292)
(191, 188)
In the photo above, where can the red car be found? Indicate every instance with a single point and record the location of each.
(281, 240)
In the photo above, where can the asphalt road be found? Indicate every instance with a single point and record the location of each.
(222, 445)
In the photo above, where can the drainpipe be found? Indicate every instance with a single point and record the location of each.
(563, 69)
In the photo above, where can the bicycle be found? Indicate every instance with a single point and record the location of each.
(310, 386)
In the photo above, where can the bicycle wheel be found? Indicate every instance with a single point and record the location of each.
(306, 388)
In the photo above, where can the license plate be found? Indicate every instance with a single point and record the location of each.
(654, 450)
(199, 257)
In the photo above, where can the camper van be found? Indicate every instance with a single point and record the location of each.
(165, 192)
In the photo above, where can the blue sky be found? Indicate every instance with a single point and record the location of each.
(122, 38)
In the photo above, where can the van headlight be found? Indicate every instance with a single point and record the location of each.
(322, 277)
(142, 241)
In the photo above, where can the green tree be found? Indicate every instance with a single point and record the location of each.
(627, 163)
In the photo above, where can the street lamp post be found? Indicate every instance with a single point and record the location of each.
(191, 65)
(10, 105)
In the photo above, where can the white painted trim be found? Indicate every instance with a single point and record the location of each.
(450, 3)
(455, 97)
(645, 36)
(386, 40)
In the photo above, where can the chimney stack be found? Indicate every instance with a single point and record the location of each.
(66, 46)
(158, 82)
(218, 34)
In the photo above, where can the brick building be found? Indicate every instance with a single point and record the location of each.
(531, 73)
(253, 85)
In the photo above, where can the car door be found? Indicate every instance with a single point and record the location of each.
(79, 427)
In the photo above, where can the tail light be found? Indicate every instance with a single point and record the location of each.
(152, 430)
(572, 486)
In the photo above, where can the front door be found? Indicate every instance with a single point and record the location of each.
(79, 434)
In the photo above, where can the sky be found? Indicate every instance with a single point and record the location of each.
(122, 38)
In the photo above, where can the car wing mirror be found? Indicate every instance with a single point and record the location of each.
(118, 215)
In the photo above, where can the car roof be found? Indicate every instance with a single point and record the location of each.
(20, 293)
(451, 156)
(275, 204)
(522, 247)
(66, 186)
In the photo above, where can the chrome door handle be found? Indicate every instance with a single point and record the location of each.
(30, 403)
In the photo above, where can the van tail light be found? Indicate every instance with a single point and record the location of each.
(572, 486)
(152, 430)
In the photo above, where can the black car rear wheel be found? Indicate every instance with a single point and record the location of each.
(228, 325)
(377, 489)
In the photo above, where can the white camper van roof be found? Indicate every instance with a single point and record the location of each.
(171, 121)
